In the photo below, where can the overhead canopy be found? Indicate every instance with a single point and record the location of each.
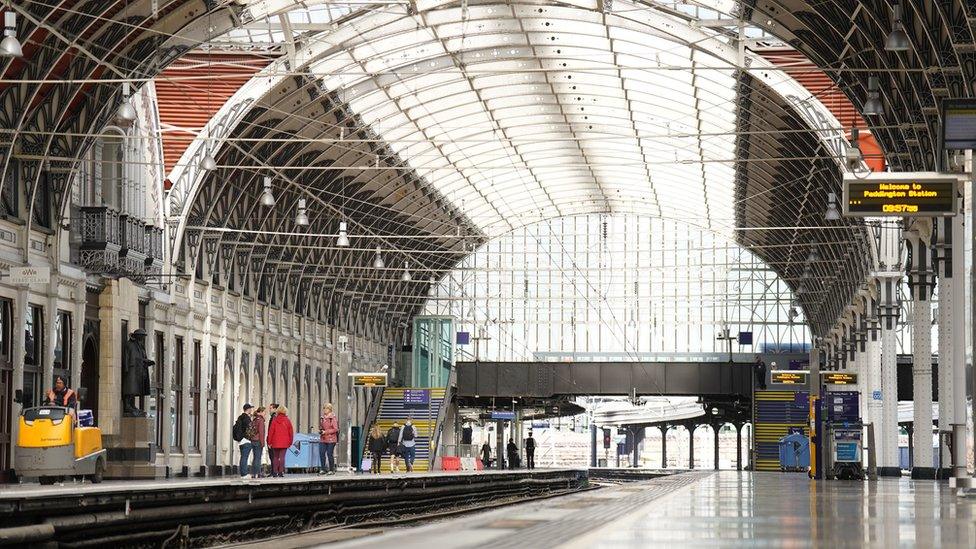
(523, 112)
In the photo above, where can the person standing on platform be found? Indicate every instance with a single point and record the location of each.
(393, 445)
(256, 433)
(760, 370)
(486, 455)
(530, 452)
(513, 454)
(272, 413)
(281, 434)
(377, 444)
(328, 437)
(407, 444)
(239, 432)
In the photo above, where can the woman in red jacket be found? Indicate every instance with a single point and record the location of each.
(281, 434)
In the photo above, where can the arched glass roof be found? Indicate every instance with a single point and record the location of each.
(523, 112)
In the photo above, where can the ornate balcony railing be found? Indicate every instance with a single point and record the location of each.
(117, 244)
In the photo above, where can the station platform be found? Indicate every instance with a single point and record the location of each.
(713, 509)
(207, 512)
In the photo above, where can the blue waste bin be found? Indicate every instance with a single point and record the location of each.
(794, 453)
(303, 454)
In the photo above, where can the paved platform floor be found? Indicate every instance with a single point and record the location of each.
(724, 509)
(8, 491)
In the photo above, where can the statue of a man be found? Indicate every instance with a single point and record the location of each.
(135, 373)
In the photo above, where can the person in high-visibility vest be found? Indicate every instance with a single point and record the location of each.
(61, 395)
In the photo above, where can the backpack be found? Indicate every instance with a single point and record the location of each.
(251, 432)
(240, 427)
(408, 432)
(392, 436)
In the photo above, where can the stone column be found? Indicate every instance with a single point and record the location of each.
(942, 260)
(78, 335)
(872, 368)
(889, 279)
(50, 334)
(921, 281)
(19, 315)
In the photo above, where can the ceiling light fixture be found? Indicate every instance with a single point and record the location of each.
(378, 262)
(897, 39)
(343, 240)
(873, 105)
(10, 46)
(267, 199)
(126, 111)
(302, 217)
(406, 272)
(833, 214)
(209, 163)
(813, 256)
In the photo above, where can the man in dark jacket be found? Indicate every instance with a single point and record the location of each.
(393, 445)
(241, 427)
(760, 370)
(61, 395)
(530, 452)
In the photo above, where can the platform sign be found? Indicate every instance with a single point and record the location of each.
(416, 398)
(463, 338)
(900, 195)
(838, 378)
(744, 338)
(958, 124)
(788, 377)
(843, 406)
(502, 414)
(360, 379)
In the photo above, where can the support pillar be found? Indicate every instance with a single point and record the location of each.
(889, 279)
(957, 321)
(691, 446)
(738, 446)
(635, 433)
(592, 444)
(920, 282)
(715, 429)
(664, 447)
(943, 258)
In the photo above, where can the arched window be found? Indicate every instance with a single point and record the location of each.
(272, 385)
(110, 159)
(284, 381)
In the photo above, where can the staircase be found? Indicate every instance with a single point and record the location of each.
(392, 409)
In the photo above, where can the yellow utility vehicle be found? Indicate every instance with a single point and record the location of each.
(51, 445)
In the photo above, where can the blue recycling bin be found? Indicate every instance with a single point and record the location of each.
(303, 452)
(794, 452)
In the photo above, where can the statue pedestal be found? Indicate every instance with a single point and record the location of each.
(132, 452)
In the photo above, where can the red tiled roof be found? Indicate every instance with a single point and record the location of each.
(192, 90)
(823, 88)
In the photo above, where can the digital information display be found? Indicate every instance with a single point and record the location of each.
(787, 377)
(839, 378)
(368, 380)
(959, 124)
(908, 195)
